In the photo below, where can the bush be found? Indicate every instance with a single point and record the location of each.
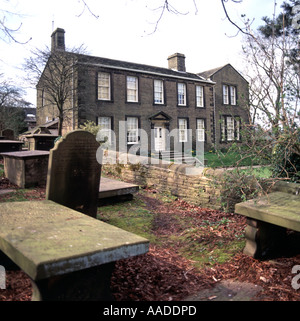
(286, 162)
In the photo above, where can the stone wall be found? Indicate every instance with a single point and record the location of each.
(184, 181)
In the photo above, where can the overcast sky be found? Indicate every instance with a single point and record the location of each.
(124, 31)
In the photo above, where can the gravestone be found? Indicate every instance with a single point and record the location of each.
(8, 134)
(74, 173)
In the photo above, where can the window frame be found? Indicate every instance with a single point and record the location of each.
(162, 92)
(186, 120)
(136, 89)
(235, 134)
(109, 86)
(107, 129)
(200, 101)
(136, 129)
(229, 94)
(183, 94)
(198, 129)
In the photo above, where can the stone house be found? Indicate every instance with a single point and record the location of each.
(231, 104)
(172, 106)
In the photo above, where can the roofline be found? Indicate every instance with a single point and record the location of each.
(222, 67)
(201, 79)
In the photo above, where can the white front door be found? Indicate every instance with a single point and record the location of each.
(159, 138)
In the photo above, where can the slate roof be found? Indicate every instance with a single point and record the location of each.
(141, 68)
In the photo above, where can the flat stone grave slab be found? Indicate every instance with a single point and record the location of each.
(10, 145)
(26, 168)
(277, 208)
(46, 239)
(268, 218)
(112, 188)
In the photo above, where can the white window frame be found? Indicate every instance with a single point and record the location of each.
(132, 126)
(182, 130)
(158, 92)
(200, 130)
(132, 85)
(238, 129)
(225, 94)
(105, 124)
(200, 96)
(232, 95)
(230, 128)
(181, 94)
(104, 87)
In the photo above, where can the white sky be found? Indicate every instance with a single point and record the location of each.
(123, 31)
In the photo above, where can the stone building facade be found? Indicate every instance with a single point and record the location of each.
(164, 107)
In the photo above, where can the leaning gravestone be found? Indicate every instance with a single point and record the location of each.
(74, 173)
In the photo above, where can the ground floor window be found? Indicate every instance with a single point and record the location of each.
(200, 130)
(105, 124)
(183, 127)
(230, 128)
(132, 124)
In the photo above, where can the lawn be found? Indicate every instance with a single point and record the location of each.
(228, 159)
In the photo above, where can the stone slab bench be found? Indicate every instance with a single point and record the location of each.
(268, 217)
(67, 255)
(26, 168)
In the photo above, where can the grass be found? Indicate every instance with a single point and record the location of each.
(131, 216)
(219, 159)
(205, 242)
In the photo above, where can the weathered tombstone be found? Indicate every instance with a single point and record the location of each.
(74, 173)
(8, 134)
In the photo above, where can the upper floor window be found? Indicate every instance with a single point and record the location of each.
(181, 94)
(132, 89)
(199, 96)
(104, 86)
(158, 92)
(229, 95)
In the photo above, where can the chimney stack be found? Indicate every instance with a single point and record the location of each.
(177, 62)
(58, 40)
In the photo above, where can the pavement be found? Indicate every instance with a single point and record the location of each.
(228, 290)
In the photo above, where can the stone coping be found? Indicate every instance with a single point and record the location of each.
(277, 208)
(41, 135)
(46, 239)
(26, 154)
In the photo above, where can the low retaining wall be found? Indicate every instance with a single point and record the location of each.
(184, 181)
(189, 183)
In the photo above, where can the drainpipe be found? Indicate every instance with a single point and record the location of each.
(214, 116)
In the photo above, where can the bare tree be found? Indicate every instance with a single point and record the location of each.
(11, 106)
(55, 75)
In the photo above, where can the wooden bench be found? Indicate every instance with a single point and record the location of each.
(268, 218)
(67, 255)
